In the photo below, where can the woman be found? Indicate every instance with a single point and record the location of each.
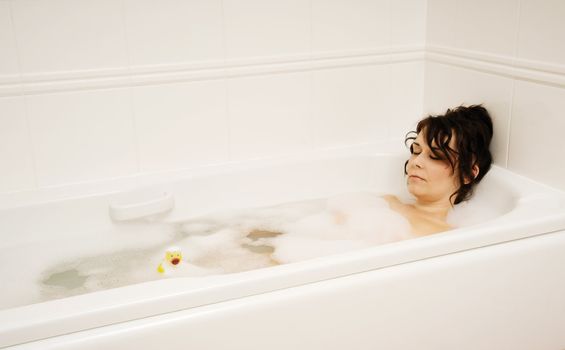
(449, 156)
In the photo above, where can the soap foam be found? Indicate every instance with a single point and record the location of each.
(214, 244)
(26, 267)
(349, 221)
(485, 204)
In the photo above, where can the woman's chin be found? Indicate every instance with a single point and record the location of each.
(415, 186)
(419, 191)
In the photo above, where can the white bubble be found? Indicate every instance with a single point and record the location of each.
(224, 242)
(485, 204)
(348, 221)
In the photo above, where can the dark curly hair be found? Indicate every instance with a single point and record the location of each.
(472, 129)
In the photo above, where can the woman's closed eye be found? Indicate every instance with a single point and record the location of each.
(417, 150)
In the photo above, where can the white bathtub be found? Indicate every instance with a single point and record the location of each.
(494, 284)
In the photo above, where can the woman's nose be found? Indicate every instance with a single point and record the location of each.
(417, 161)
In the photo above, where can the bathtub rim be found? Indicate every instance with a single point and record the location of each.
(67, 315)
(94, 188)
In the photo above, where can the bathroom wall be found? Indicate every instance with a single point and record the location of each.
(94, 90)
(509, 55)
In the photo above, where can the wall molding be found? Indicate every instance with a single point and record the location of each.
(511, 67)
(52, 82)
(42, 83)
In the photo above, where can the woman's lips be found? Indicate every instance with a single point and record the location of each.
(416, 177)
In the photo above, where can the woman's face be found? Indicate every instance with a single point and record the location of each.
(430, 179)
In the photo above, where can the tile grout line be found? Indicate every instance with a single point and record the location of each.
(312, 140)
(511, 111)
(389, 71)
(425, 64)
(130, 90)
(227, 116)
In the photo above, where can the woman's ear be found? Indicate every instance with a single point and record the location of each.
(475, 171)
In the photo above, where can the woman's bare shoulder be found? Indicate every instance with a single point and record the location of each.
(394, 203)
(422, 225)
(390, 198)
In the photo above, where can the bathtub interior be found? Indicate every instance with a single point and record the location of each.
(44, 242)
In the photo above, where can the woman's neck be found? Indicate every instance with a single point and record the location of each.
(438, 209)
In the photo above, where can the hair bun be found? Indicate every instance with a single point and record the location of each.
(475, 114)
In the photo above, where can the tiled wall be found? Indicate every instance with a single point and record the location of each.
(509, 55)
(92, 90)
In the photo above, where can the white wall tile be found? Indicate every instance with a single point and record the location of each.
(181, 125)
(448, 86)
(441, 22)
(82, 136)
(351, 105)
(8, 51)
(408, 22)
(542, 30)
(536, 135)
(16, 167)
(174, 31)
(350, 24)
(269, 115)
(266, 27)
(487, 26)
(65, 35)
(407, 97)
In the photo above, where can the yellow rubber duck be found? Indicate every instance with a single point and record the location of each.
(173, 258)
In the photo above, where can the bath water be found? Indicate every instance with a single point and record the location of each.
(219, 243)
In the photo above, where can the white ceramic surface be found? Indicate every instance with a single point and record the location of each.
(535, 149)
(408, 22)
(173, 31)
(181, 125)
(266, 27)
(487, 26)
(82, 136)
(16, 168)
(349, 25)
(9, 66)
(350, 105)
(542, 31)
(270, 115)
(65, 35)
